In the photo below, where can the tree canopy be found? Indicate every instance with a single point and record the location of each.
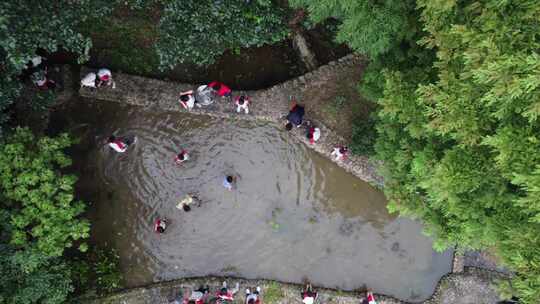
(44, 213)
(199, 31)
(463, 149)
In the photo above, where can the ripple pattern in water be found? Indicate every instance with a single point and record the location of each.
(294, 214)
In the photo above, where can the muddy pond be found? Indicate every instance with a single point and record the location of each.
(294, 214)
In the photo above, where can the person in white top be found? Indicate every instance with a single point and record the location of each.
(313, 134)
(253, 297)
(340, 152)
(309, 295)
(187, 100)
(89, 80)
(118, 144)
(369, 299)
(242, 103)
(105, 78)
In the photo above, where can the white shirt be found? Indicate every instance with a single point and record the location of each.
(316, 134)
(117, 148)
(308, 300)
(190, 103)
(89, 80)
(337, 154)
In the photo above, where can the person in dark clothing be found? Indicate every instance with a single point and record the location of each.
(295, 116)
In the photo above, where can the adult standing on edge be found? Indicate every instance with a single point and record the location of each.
(295, 116)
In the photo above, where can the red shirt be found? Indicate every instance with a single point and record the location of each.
(223, 90)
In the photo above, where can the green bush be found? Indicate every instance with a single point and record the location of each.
(198, 31)
(97, 273)
(273, 293)
(44, 214)
(364, 136)
(27, 25)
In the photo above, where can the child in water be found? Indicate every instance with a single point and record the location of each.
(181, 157)
(160, 225)
(228, 182)
(187, 201)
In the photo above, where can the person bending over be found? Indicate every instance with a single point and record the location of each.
(309, 295)
(295, 116)
(119, 145)
(160, 225)
(225, 295)
(253, 297)
(220, 89)
(181, 157)
(242, 103)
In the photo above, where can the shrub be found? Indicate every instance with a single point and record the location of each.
(44, 213)
(364, 136)
(198, 31)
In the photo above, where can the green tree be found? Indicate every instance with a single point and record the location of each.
(44, 214)
(198, 31)
(30, 277)
(367, 26)
(460, 140)
(29, 25)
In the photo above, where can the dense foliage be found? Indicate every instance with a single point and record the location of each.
(370, 27)
(458, 124)
(468, 148)
(29, 25)
(39, 219)
(29, 276)
(44, 214)
(198, 31)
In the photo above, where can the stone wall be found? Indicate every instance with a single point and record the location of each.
(270, 104)
(471, 286)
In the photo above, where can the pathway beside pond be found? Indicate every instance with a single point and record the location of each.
(471, 286)
(271, 104)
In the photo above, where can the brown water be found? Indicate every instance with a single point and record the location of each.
(294, 214)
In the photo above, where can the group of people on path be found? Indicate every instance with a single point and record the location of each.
(252, 296)
(295, 118)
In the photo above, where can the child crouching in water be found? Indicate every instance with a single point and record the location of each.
(181, 157)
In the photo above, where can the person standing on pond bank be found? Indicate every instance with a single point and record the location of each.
(220, 89)
(295, 116)
(368, 299)
(340, 152)
(309, 295)
(253, 297)
(228, 182)
(242, 103)
(313, 134)
(225, 295)
(105, 78)
(119, 145)
(198, 296)
(187, 100)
